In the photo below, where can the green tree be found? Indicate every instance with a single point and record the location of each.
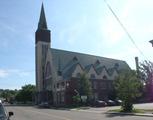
(76, 100)
(84, 86)
(127, 86)
(26, 93)
(7, 94)
(146, 75)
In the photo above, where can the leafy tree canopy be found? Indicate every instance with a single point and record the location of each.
(26, 93)
(146, 75)
(84, 85)
(127, 86)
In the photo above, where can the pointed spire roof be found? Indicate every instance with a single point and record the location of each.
(42, 20)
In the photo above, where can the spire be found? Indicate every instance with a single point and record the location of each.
(42, 20)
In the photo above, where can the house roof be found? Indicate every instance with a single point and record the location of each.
(69, 59)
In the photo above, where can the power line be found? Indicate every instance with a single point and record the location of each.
(124, 28)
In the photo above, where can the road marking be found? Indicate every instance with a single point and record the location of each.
(55, 116)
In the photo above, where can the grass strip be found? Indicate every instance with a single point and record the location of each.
(133, 111)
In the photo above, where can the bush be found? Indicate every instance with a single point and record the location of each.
(76, 100)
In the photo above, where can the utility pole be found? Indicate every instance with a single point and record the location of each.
(137, 67)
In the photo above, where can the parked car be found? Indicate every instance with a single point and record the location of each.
(43, 105)
(111, 103)
(100, 103)
(118, 102)
(3, 114)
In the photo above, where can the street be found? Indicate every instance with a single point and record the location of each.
(33, 113)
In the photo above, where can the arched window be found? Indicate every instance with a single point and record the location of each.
(48, 70)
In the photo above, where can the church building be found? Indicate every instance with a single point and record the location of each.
(58, 71)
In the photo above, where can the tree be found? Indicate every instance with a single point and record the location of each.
(146, 75)
(84, 86)
(26, 93)
(127, 86)
(7, 94)
(76, 100)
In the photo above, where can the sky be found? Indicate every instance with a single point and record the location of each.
(85, 26)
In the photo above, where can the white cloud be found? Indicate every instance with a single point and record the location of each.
(3, 73)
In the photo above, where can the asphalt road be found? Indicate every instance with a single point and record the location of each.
(32, 113)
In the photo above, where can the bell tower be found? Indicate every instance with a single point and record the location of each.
(42, 44)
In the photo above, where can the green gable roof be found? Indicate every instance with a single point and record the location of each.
(68, 61)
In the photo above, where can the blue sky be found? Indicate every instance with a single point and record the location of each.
(84, 26)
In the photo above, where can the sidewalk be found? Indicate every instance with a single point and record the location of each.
(96, 109)
(104, 110)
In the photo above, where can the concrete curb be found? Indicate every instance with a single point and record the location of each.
(117, 113)
(134, 114)
(89, 111)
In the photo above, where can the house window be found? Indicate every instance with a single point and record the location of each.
(103, 85)
(58, 97)
(96, 96)
(95, 85)
(104, 77)
(78, 75)
(57, 85)
(92, 76)
(62, 84)
(116, 65)
(62, 97)
(97, 63)
(110, 86)
(59, 73)
(75, 59)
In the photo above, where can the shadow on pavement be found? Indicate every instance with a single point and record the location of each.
(54, 108)
(63, 108)
(115, 115)
(19, 105)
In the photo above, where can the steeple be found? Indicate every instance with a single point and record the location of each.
(42, 20)
(42, 33)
